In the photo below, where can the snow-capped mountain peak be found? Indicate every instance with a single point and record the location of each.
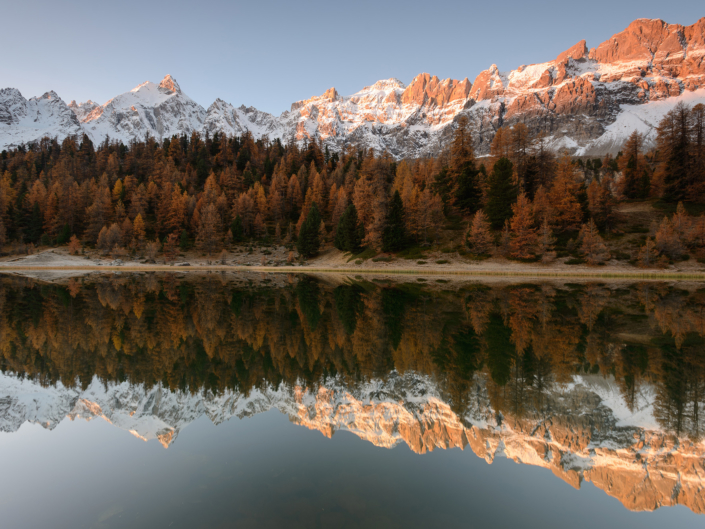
(24, 121)
(159, 111)
(170, 84)
(587, 101)
(384, 85)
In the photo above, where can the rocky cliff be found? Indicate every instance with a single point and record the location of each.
(585, 100)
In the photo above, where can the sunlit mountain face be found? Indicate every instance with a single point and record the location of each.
(599, 383)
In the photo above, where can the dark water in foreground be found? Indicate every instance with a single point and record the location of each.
(269, 400)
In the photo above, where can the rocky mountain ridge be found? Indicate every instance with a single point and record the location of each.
(588, 434)
(585, 100)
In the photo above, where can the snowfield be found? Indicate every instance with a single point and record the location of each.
(642, 118)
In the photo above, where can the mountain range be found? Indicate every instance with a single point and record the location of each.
(585, 433)
(585, 100)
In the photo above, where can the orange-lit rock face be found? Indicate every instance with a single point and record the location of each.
(488, 84)
(169, 83)
(653, 46)
(575, 97)
(576, 52)
(648, 50)
(427, 90)
(643, 469)
(387, 103)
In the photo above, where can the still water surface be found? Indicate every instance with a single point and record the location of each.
(268, 401)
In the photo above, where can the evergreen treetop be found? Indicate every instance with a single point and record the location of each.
(502, 193)
(394, 237)
(350, 232)
(309, 241)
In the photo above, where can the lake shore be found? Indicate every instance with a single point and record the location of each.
(58, 261)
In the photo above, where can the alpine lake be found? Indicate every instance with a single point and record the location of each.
(257, 400)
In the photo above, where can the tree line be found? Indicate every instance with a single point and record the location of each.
(213, 192)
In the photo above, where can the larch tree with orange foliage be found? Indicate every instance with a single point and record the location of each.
(592, 246)
(601, 203)
(208, 239)
(696, 234)
(479, 237)
(139, 233)
(171, 247)
(546, 243)
(99, 214)
(567, 214)
(523, 238)
(429, 215)
(668, 241)
(648, 254)
(74, 245)
(543, 212)
(502, 143)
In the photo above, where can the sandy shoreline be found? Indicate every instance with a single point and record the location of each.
(58, 262)
(655, 274)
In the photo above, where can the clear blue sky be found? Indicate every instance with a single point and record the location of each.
(271, 53)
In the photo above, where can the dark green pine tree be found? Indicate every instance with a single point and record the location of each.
(631, 179)
(237, 229)
(308, 242)
(34, 225)
(502, 193)
(184, 241)
(678, 174)
(468, 196)
(582, 197)
(394, 237)
(64, 235)
(676, 177)
(645, 185)
(443, 187)
(531, 177)
(348, 236)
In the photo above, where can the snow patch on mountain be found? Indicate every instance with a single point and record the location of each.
(642, 118)
(148, 110)
(25, 121)
(226, 119)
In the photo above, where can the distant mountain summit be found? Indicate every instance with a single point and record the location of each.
(585, 100)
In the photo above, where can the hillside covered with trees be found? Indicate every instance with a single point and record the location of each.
(523, 202)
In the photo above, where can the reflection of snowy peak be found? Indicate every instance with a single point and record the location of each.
(585, 100)
(146, 413)
(589, 433)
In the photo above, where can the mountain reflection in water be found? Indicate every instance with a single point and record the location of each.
(597, 382)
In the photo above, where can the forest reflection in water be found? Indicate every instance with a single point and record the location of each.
(597, 381)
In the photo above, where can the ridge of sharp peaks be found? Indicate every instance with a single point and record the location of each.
(648, 61)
